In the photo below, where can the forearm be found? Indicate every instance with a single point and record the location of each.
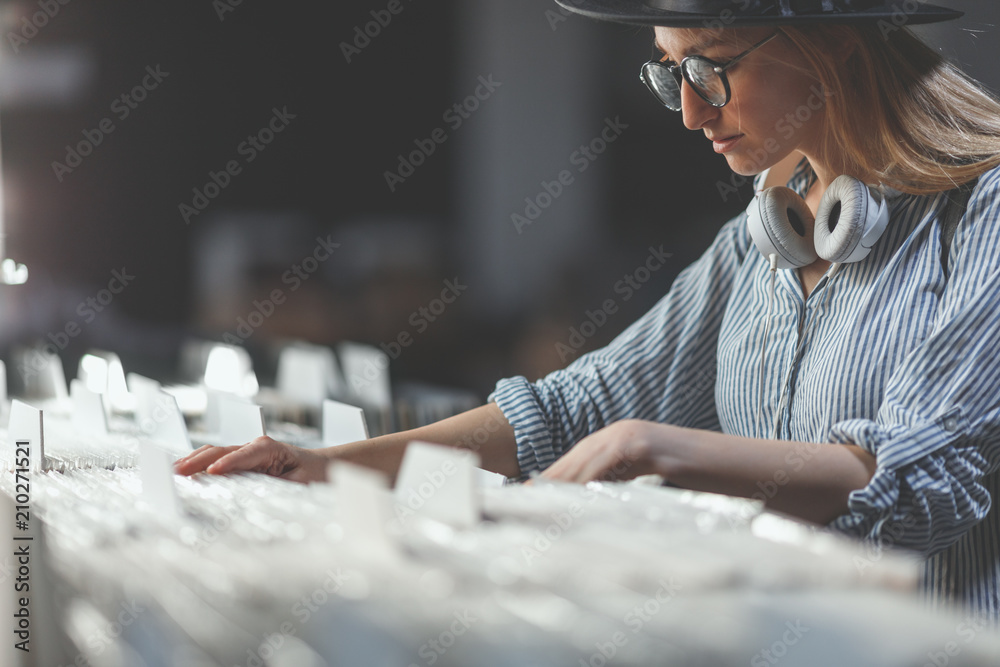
(483, 430)
(806, 480)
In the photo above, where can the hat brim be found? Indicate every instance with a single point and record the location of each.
(625, 11)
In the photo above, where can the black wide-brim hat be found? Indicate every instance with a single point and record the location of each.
(744, 13)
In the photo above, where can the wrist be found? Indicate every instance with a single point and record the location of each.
(677, 453)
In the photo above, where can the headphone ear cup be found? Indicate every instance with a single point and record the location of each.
(840, 223)
(781, 224)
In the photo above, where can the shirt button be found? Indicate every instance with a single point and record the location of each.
(950, 424)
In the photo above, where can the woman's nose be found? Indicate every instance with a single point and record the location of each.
(697, 112)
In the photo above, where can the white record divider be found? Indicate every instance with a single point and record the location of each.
(89, 413)
(143, 389)
(440, 483)
(26, 425)
(230, 369)
(158, 414)
(210, 419)
(366, 373)
(240, 421)
(166, 424)
(343, 423)
(365, 508)
(156, 471)
(486, 479)
(44, 378)
(308, 374)
(103, 373)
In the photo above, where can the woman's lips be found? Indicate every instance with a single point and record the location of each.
(726, 145)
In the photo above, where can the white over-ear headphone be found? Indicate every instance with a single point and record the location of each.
(851, 218)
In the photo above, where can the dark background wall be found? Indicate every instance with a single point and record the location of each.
(554, 83)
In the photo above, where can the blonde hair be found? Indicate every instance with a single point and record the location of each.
(898, 111)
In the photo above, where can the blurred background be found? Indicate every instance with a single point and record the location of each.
(464, 183)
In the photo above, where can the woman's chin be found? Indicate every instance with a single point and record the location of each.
(743, 165)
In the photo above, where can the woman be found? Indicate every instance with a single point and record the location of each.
(861, 392)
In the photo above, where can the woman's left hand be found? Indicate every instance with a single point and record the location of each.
(624, 450)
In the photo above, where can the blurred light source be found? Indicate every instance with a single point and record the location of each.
(103, 373)
(11, 273)
(94, 373)
(229, 369)
(46, 76)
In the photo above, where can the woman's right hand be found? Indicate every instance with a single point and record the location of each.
(262, 454)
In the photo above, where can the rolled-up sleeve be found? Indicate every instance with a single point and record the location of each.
(662, 368)
(937, 433)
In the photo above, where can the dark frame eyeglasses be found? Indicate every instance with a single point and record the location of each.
(705, 76)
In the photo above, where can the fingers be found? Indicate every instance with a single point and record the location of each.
(263, 455)
(609, 467)
(260, 455)
(607, 455)
(200, 459)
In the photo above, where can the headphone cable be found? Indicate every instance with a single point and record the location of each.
(773, 260)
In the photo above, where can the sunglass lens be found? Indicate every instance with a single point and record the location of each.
(664, 85)
(704, 79)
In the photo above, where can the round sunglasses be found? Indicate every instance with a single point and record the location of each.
(705, 76)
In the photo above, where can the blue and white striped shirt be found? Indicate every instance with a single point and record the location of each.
(897, 354)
